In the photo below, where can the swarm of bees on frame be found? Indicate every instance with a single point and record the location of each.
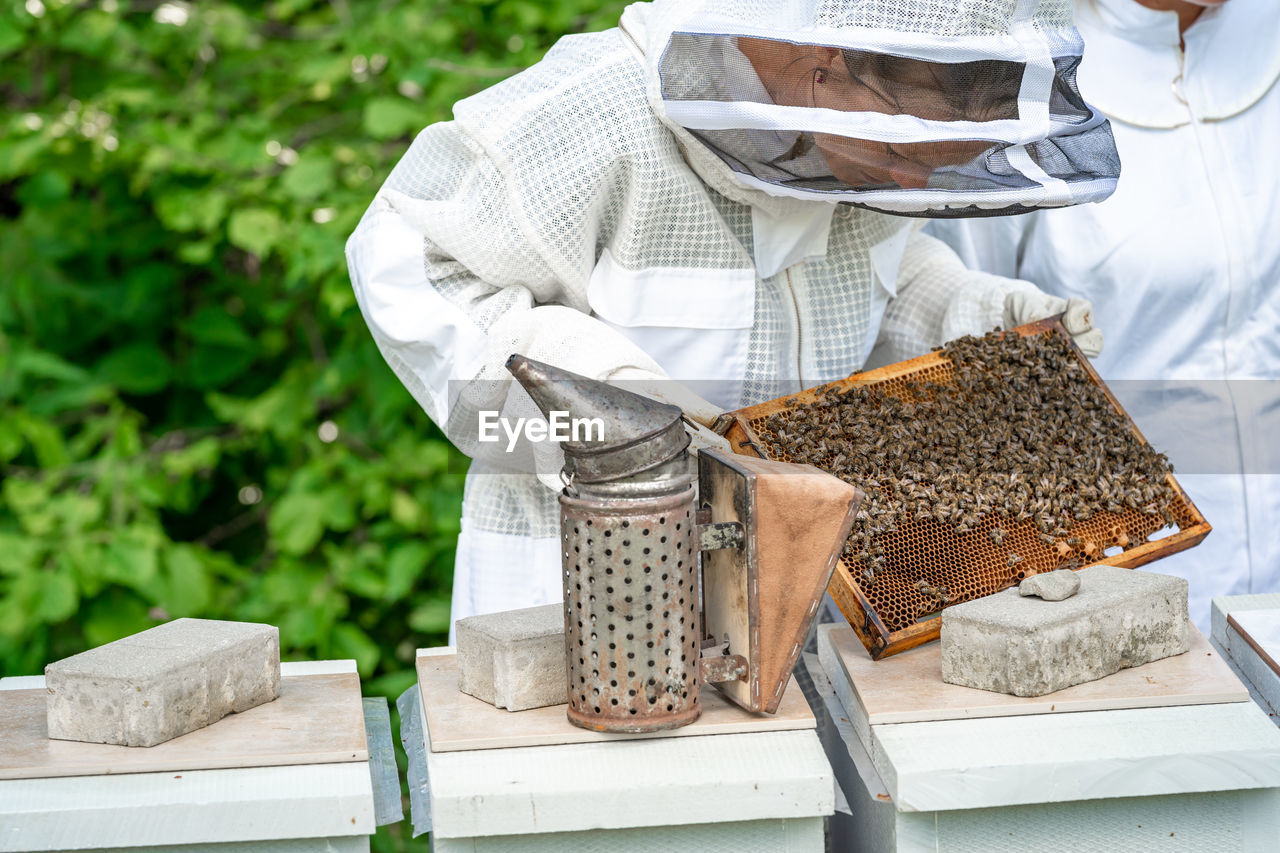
(1023, 435)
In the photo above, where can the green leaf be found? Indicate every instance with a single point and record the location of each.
(200, 456)
(213, 325)
(387, 118)
(75, 511)
(282, 409)
(29, 500)
(139, 368)
(11, 37)
(44, 188)
(187, 584)
(404, 509)
(93, 32)
(20, 554)
(339, 509)
(192, 210)
(196, 253)
(311, 177)
(58, 598)
(11, 442)
(212, 366)
(46, 440)
(115, 614)
(403, 568)
(296, 522)
(254, 229)
(69, 398)
(431, 616)
(18, 604)
(392, 684)
(350, 641)
(131, 560)
(364, 582)
(84, 559)
(46, 365)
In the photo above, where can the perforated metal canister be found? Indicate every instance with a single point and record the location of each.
(631, 610)
(630, 538)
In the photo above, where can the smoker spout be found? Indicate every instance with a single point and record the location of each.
(632, 433)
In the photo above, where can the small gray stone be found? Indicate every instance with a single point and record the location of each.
(1051, 586)
(515, 659)
(163, 682)
(1030, 647)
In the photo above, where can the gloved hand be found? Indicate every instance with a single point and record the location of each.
(1027, 306)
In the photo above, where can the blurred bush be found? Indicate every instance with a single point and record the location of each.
(194, 420)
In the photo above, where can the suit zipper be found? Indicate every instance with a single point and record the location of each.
(795, 308)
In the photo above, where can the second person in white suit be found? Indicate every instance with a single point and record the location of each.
(1182, 263)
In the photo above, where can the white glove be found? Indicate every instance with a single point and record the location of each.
(1027, 306)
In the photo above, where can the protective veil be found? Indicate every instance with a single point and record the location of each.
(1182, 264)
(958, 108)
(564, 215)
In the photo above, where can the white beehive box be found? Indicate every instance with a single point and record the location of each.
(1194, 778)
(1247, 630)
(762, 791)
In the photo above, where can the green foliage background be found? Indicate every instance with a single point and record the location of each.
(178, 335)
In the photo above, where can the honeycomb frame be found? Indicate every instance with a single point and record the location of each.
(894, 614)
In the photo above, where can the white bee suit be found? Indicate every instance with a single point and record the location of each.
(561, 215)
(1182, 263)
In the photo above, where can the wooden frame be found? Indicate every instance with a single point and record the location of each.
(879, 640)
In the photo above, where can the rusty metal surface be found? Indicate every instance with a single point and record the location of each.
(632, 611)
(720, 534)
(716, 668)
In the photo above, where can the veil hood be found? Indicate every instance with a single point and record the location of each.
(974, 100)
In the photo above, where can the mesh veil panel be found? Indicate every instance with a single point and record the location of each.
(941, 127)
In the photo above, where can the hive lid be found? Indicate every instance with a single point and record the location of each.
(636, 433)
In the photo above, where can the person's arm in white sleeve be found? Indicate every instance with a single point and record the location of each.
(450, 286)
(939, 299)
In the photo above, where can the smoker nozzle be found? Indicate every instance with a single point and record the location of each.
(628, 433)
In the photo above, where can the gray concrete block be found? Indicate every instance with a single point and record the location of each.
(515, 659)
(163, 682)
(1051, 586)
(1029, 646)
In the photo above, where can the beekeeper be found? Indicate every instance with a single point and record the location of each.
(700, 195)
(1182, 264)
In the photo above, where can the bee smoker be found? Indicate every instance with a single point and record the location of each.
(639, 640)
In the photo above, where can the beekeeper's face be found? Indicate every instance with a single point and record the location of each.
(826, 77)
